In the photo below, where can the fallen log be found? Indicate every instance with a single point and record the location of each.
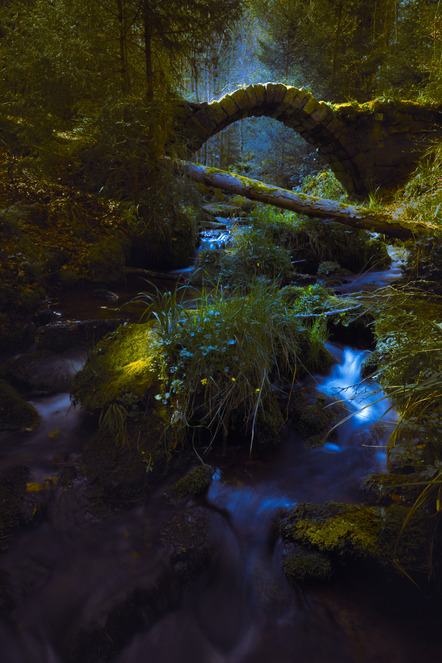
(353, 216)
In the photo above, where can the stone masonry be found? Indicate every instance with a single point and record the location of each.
(370, 147)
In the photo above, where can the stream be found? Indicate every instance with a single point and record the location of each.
(241, 609)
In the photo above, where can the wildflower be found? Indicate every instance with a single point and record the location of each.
(257, 390)
(204, 381)
(233, 379)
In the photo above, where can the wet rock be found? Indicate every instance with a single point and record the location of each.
(15, 413)
(196, 482)
(65, 335)
(106, 624)
(111, 621)
(116, 474)
(358, 332)
(186, 543)
(388, 539)
(305, 567)
(42, 372)
(313, 415)
(44, 316)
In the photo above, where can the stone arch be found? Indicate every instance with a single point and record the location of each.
(314, 120)
(369, 147)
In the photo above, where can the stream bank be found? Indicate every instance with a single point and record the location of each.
(112, 574)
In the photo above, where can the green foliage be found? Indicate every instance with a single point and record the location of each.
(125, 138)
(114, 420)
(357, 50)
(328, 267)
(324, 185)
(422, 201)
(278, 240)
(409, 351)
(224, 353)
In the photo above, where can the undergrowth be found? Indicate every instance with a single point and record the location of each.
(228, 352)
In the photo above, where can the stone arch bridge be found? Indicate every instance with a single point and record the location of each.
(369, 147)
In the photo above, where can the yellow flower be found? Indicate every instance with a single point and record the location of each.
(233, 379)
(257, 390)
(257, 264)
(204, 381)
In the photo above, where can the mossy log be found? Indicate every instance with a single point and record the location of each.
(354, 216)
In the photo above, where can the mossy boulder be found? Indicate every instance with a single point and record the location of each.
(40, 372)
(313, 415)
(195, 482)
(124, 367)
(68, 334)
(15, 413)
(304, 566)
(15, 337)
(120, 382)
(376, 535)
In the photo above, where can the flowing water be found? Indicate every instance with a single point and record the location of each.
(69, 569)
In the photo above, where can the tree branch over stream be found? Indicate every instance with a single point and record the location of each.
(350, 215)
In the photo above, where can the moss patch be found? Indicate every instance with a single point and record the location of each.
(195, 482)
(127, 363)
(370, 533)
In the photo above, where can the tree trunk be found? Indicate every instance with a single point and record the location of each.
(148, 50)
(355, 217)
(124, 68)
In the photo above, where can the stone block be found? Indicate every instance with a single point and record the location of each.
(275, 93)
(241, 100)
(286, 104)
(260, 93)
(301, 99)
(311, 106)
(218, 113)
(250, 91)
(322, 114)
(291, 121)
(228, 104)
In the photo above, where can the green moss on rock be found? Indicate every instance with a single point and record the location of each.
(195, 482)
(304, 567)
(127, 362)
(314, 415)
(369, 533)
